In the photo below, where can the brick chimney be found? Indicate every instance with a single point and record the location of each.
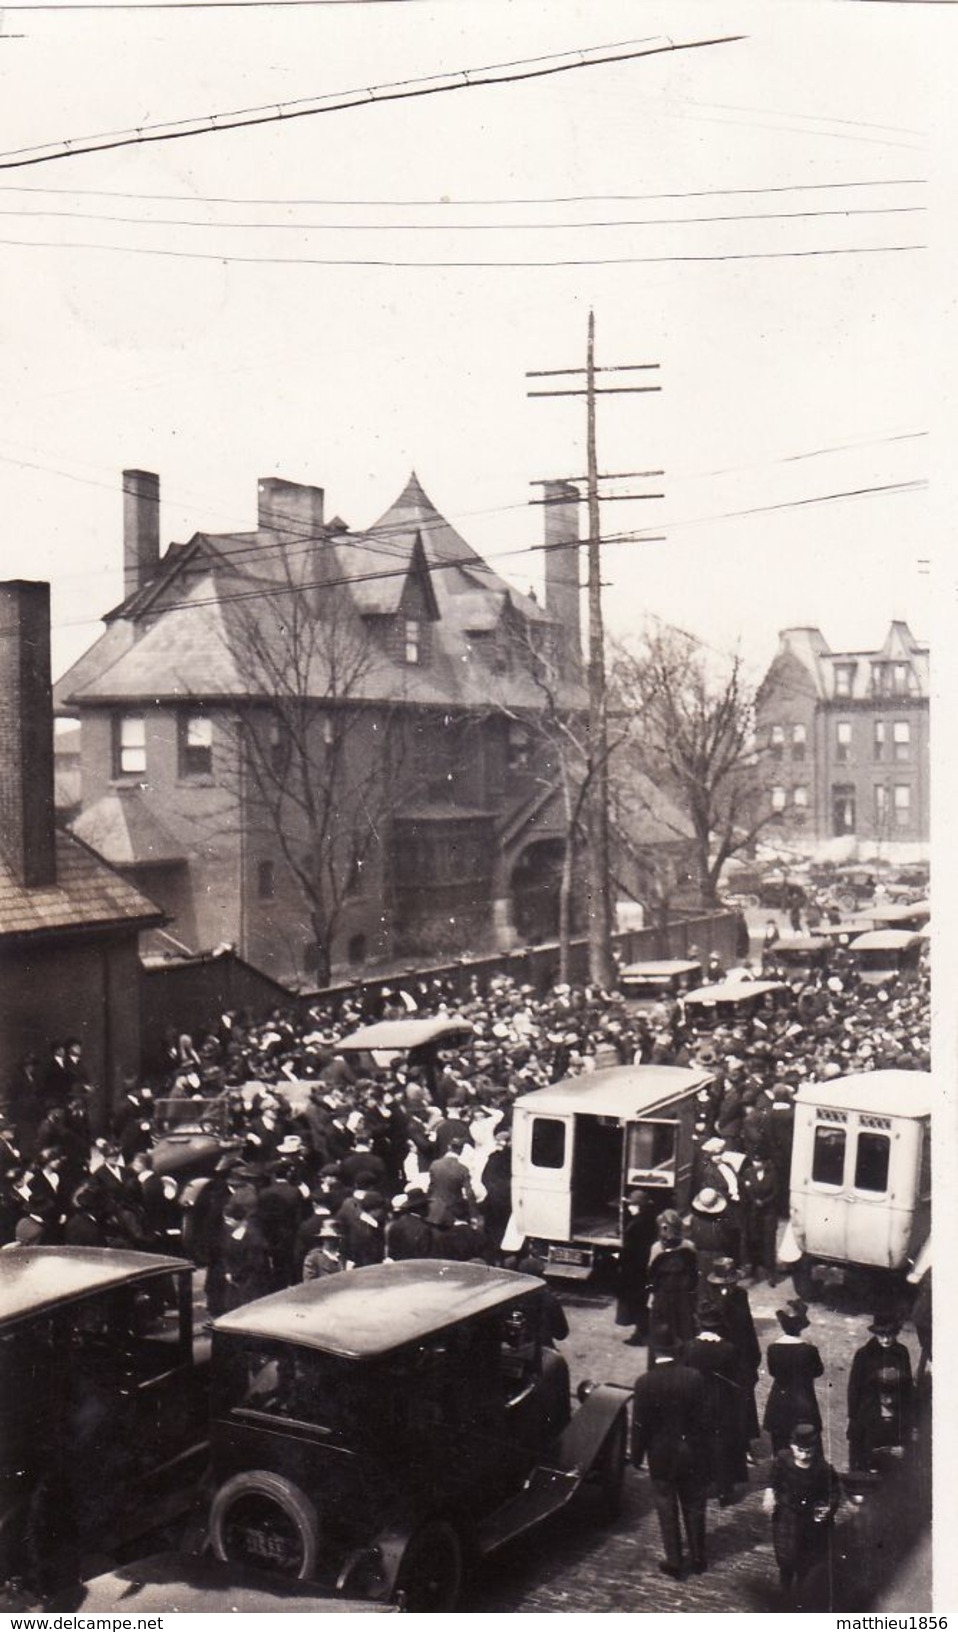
(27, 829)
(141, 529)
(561, 512)
(290, 508)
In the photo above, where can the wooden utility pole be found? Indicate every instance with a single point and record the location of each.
(601, 965)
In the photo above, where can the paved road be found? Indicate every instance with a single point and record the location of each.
(577, 1564)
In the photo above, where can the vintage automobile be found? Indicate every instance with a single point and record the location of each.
(190, 1136)
(735, 1002)
(421, 1039)
(860, 1195)
(913, 915)
(645, 984)
(373, 1431)
(886, 954)
(103, 1404)
(798, 956)
(581, 1145)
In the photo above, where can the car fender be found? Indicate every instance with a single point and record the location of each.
(371, 1571)
(191, 1192)
(582, 1442)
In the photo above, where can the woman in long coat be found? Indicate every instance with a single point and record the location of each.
(632, 1290)
(793, 1366)
(880, 1395)
(673, 1280)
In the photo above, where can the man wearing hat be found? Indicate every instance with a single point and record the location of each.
(326, 1256)
(881, 1395)
(708, 1226)
(739, 1327)
(670, 1430)
(803, 1498)
(673, 1278)
(711, 1354)
(638, 1238)
(409, 1234)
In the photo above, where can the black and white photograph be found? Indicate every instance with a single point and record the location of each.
(468, 1047)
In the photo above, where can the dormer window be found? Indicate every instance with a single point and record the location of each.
(412, 641)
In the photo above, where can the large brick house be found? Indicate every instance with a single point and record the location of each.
(69, 924)
(844, 746)
(420, 686)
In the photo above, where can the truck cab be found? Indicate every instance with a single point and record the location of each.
(582, 1144)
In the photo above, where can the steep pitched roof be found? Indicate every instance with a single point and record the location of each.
(88, 894)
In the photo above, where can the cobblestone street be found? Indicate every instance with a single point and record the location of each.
(576, 1564)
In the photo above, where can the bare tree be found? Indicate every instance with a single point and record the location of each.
(694, 735)
(316, 740)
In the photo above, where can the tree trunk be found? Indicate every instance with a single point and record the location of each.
(565, 910)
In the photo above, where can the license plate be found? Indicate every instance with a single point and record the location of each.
(570, 1255)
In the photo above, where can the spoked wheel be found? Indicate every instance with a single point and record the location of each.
(610, 1470)
(430, 1575)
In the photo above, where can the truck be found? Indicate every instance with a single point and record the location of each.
(582, 1145)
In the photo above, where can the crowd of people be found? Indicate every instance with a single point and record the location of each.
(329, 1165)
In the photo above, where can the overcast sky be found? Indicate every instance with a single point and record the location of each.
(787, 377)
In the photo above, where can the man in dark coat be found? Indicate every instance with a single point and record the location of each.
(670, 1429)
(881, 1402)
(450, 1187)
(673, 1278)
(759, 1188)
(409, 1234)
(715, 1358)
(242, 1269)
(638, 1238)
(739, 1327)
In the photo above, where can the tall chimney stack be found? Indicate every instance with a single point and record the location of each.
(561, 512)
(27, 820)
(141, 529)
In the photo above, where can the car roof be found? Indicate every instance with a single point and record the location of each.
(35, 1279)
(894, 1093)
(401, 1034)
(897, 912)
(884, 940)
(618, 1090)
(801, 943)
(371, 1311)
(728, 991)
(664, 966)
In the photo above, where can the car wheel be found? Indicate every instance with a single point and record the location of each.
(430, 1575)
(264, 1520)
(610, 1470)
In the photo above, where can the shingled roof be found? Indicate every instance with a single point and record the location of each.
(87, 895)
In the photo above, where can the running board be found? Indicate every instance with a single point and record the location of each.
(546, 1491)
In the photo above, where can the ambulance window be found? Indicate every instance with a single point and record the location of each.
(828, 1160)
(548, 1142)
(651, 1145)
(871, 1162)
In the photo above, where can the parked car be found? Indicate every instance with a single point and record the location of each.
(103, 1404)
(798, 956)
(886, 954)
(581, 1145)
(373, 1430)
(646, 984)
(860, 1180)
(735, 1002)
(421, 1039)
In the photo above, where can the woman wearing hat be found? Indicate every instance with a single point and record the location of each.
(673, 1279)
(739, 1327)
(803, 1498)
(881, 1395)
(708, 1227)
(793, 1366)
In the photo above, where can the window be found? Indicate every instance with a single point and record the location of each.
(800, 798)
(196, 745)
(900, 679)
(843, 741)
(266, 881)
(651, 1152)
(901, 736)
(799, 739)
(881, 806)
(548, 1142)
(277, 748)
(843, 679)
(902, 805)
(843, 808)
(518, 748)
(828, 1156)
(871, 1162)
(777, 741)
(879, 739)
(129, 745)
(412, 646)
(778, 800)
(880, 679)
